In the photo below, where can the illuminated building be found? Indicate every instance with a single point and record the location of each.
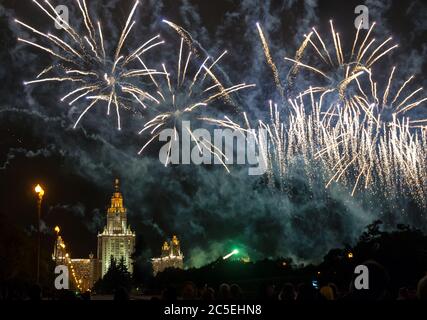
(83, 272)
(171, 257)
(59, 251)
(117, 240)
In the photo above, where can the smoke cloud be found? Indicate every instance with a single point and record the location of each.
(210, 210)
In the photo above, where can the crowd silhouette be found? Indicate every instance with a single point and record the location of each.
(288, 292)
(379, 290)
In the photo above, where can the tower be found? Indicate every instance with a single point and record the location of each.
(117, 240)
(171, 257)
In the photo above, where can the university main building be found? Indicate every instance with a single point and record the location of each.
(116, 241)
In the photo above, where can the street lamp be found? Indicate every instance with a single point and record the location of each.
(40, 193)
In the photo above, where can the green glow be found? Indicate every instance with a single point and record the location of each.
(232, 253)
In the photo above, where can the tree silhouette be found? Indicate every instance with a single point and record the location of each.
(372, 232)
(117, 277)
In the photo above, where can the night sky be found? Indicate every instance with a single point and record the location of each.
(208, 209)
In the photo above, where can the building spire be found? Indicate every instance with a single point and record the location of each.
(117, 199)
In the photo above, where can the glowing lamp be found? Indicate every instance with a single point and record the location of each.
(39, 190)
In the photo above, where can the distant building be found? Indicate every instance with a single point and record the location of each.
(171, 257)
(117, 240)
(83, 272)
(59, 251)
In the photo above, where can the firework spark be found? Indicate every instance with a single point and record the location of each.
(83, 60)
(363, 140)
(354, 151)
(391, 103)
(340, 71)
(182, 95)
(270, 61)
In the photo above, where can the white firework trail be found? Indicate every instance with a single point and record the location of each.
(392, 102)
(82, 59)
(186, 95)
(363, 140)
(388, 158)
(337, 69)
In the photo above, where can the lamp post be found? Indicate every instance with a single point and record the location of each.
(40, 193)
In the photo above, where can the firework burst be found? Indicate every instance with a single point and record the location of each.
(354, 151)
(396, 101)
(83, 60)
(360, 138)
(339, 70)
(182, 95)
